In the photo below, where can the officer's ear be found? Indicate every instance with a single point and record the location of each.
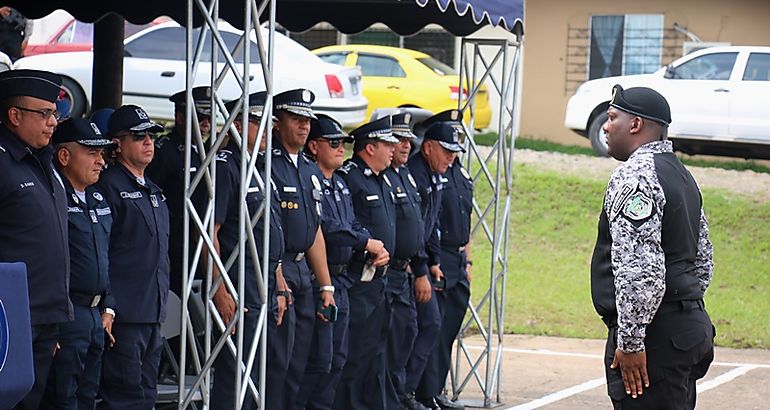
(312, 146)
(63, 155)
(116, 141)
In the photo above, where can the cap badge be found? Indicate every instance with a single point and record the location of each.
(96, 129)
(614, 93)
(407, 118)
(306, 95)
(141, 114)
(454, 116)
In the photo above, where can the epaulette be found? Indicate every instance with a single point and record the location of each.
(223, 155)
(277, 152)
(161, 140)
(2, 148)
(347, 167)
(307, 157)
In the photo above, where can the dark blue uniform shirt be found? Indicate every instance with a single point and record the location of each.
(90, 224)
(372, 201)
(456, 207)
(139, 270)
(226, 214)
(430, 188)
(33, 226)
(299, 188)
(410, 228)
(342, 231)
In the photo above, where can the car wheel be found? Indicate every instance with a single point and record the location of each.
(597, 135)
(76, 96)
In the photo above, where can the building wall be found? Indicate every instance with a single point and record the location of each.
(739, 22)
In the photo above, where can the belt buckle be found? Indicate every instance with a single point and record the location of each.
(299, 257)
(95, 301)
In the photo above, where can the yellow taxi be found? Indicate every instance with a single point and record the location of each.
(399, 77)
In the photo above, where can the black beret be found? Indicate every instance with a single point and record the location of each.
(377, 130)
(328, 128)
(80, 130)
(256, 104)
(31, 83)
(131, 118)
(643, 102)
(201, 98)
(297, 101)
(446, 134)
(401, 125)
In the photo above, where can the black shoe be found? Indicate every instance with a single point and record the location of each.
(410, 403)
(429, 403)
(443, 401)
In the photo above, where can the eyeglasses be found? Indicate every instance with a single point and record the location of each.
(46, 113)
(139, 135)
(335, 143)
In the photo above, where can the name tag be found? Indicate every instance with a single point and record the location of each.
(372, 197)
(74, 209)
(401, 195)
(154, 201)
(26, 185)
(252, 189)
(103, 211)
(289, 189)
(131, 195)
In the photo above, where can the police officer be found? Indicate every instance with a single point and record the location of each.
(298, 180)
(226, 237)
(455, 224)
(139, 270)
(652, 263)
(342, 234)
(363, 381)
(33, 228)
(167, 170)
(438, 150)
(410, 239)
(74, 378)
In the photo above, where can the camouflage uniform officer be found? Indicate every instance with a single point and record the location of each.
(652, 263)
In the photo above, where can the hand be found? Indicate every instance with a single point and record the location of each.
(107, 320)
(377, 248)
(633, 368)
(283, 305)
(437, 274)
(422, 289)
(328, 299)
(225, 306)
(468, 272)
(5, 11)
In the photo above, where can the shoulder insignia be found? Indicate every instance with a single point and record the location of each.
(367, 172)
(316, 182)
(620, 197)
(345, 168)
(465, 173)
(637, 207)
(222, 156)
(276, 152)
(98, 196)
(387, 180)
(2, 148)
(411, 180)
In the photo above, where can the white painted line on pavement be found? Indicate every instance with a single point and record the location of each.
(546, 352)
(724, 378)
(559, 395)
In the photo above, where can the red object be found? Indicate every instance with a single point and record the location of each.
(335, 86)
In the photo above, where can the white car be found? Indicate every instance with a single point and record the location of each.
(154, 68)
(719, 97)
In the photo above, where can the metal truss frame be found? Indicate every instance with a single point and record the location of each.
(491, 170)
(200, 347)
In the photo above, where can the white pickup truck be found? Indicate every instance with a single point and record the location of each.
(719, 97)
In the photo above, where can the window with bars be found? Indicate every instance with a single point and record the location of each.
(624, 45)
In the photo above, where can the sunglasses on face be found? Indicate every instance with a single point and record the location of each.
(334, 143)
(140, 135)
(46, 113)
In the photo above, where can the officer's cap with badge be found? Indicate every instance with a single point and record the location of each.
(256, 104)
(297, 101)
(643, 102)
(401, 125)
(82, 131)
(453, 117)
(133, 119)
(380, 130)
(327, 128)
(30, 83)
(201, 99)
(446, 134)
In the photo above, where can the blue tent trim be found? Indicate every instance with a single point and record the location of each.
(498, 13)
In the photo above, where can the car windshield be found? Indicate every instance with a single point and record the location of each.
(437, 66)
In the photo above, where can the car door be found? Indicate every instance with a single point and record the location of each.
(698, 92)
(750, 100)
(153, 69)
(383, 80)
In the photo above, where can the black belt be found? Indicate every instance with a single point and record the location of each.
(454, 248)
(83, 299)
(296, 257)
(358, 269)
(680, 306)
(399, 264)
(336, 270)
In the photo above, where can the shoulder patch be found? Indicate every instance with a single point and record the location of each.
(222, 156)
(638, 207)
(620, 197)
(347, 167)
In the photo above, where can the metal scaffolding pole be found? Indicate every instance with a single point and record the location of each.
(204, 335)
(492, 173)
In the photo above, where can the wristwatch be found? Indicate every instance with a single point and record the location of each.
(327, 288)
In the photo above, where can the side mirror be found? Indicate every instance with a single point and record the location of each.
(670, 72)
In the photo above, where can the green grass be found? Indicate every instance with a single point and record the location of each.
(489, 138)
(552, 233)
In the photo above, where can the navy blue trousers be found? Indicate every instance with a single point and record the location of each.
(130, 368)
(428, 328)
(74, 377)
(362, 385)
(43, 345)
(223, 391)
(452, 303)
(297, 275)
(403, 332)
(328, 354)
